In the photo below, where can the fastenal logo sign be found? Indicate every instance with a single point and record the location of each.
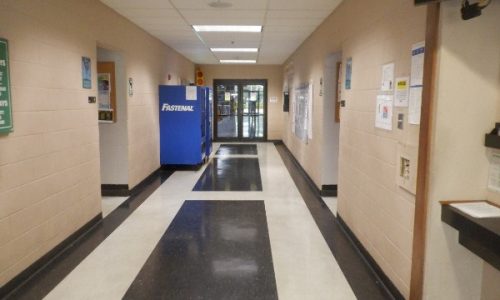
(168, 107)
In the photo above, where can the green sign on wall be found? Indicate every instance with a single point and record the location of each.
(5, 103)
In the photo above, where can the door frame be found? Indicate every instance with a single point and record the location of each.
(240, 83)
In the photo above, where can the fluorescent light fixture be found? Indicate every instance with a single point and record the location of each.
(234, 49)
(227, 28)
(238, 61)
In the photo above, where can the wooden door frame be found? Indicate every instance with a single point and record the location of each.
(424, 150)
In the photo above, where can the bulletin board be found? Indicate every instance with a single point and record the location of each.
(5, 101)
(302, 112)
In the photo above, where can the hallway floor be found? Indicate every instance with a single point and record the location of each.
(248, 233)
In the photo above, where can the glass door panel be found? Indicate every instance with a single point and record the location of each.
(240, 109)
(253, 111)
(227, 96)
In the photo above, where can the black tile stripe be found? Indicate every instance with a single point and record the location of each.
(43, 280)
(212, 250)
(230, 174)
(364, 281)
(238, 149)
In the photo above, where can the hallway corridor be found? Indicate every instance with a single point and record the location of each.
(218, 243)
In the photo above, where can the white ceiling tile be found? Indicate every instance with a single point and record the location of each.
(236, 4)
(229, 44)
(137, 4)
(236, 55)
(217, 17)
(287, 24)
(304, 4)
(230, 36)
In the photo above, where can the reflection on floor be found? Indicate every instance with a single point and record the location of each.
(253, 127)
(211, 250)
(230, 174)
(284, 238)
(241, 149)
(111, 203)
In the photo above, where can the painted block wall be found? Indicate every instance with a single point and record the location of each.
(466, 106)
(49, 165)
(378, 211)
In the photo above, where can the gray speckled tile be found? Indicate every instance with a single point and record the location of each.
(211, 250)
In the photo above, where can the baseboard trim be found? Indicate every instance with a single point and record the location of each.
(115, 190)
(151, 177)
(302, 171)
(276, 142)
(384, 279)
(45, 260)
(182, 167)
(328, 190)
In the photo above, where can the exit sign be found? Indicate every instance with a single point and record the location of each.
(5, 103)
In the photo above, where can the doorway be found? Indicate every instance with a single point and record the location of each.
(240, 109)
(112, 118)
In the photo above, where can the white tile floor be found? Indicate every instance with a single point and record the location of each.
(303, 264)
(111, 203)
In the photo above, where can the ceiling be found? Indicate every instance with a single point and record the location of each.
(286, 24)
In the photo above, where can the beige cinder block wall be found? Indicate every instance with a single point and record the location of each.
(49, 165)
(378, 211)
(466, 106)
(274, 76)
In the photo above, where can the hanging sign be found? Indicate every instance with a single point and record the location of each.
(5, 102)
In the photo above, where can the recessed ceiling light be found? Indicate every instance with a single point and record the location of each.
(227, 28)
(238, 61)
(234, 49)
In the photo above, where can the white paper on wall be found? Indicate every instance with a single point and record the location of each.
(415, 104)
(310, 112)
(494, 173)
(417, 64)
(387, 77)
(384, 112)
(401, 91)
(191, 93)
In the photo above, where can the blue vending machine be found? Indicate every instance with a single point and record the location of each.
(183, 125)
(209, 120)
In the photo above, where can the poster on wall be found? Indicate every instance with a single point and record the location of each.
(86, 73)
(348, 73)
(401, 91)
(415, 104)
(416, 82)
(417, 64)
(387, 77)
(104, 90)
(5, 101)
(310, 111)
(301, 107)
(384, 111)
